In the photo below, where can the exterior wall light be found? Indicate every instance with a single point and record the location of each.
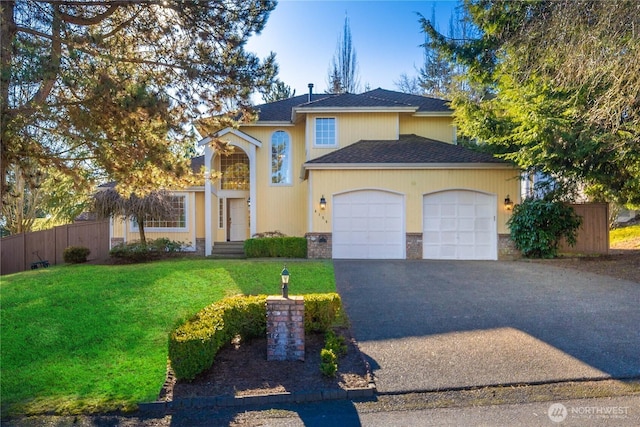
(284, 276)
(508, 204)
(323, 203)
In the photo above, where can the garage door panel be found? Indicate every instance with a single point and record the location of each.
(368, 224)
(448, 237)
(459, 224)
(467, 224)
(447, 210)
(466, 211)
(448, 224)
(485, 210)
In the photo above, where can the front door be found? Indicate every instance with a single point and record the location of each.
(237, 220)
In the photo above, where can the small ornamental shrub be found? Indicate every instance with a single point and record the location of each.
(271, 247)
(328, 362)
(75, 254)
(336, 343)
(538, 226)
(269, 234)
(322, 311)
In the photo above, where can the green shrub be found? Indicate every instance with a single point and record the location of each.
(537, 226)
(152, 250)
(194, 344)
(328, 362)
(284, 247)
(322, 311)
(336, 343)
(75, 254)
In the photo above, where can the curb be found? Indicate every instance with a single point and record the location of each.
(263, 399)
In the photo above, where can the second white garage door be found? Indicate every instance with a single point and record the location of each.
(459, 224)
(368, 224)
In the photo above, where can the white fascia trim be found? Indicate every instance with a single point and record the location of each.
(232, 131)
(324, 110)
(282, 123)
(384, 166)
(433, 114)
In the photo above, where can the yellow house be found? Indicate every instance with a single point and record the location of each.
(373, 175)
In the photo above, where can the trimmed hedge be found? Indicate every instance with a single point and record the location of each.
(272, 247)
(134, 252)
(194, 344)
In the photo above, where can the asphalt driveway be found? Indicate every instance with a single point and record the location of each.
(426, 325)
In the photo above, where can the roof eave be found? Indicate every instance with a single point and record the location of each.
(408, 109)
(268, 123)
(433, 113)
(356, 166)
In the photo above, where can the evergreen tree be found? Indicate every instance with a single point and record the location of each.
(277, 91)
(113, 84)
(343, 73)
(553, 86)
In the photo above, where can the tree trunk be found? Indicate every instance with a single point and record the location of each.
(143, 238)
(7, 33)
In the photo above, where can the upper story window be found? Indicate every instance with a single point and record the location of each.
(280, 158)
(176, 220)
(325, 131)
(235, 171)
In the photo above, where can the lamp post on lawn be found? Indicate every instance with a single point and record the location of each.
(284, 275)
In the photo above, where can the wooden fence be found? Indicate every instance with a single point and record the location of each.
(19, 251)
(593, 235)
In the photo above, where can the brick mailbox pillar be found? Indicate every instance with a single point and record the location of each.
(285, 328)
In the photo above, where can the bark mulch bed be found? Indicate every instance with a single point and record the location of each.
(242, 369)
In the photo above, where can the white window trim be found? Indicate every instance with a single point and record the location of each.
(335, 122)
(134, 224)
(289, 166)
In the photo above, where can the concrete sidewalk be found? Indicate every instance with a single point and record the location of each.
(427, 325)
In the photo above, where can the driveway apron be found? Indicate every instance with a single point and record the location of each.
(429, 325)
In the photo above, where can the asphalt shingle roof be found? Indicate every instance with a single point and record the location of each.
(408, 149)
(279, 111)
(282, 110)
(424, 103)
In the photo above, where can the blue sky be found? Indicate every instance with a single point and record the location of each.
(386, 36)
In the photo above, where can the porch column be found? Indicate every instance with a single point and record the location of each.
(252, 189)
(208, 236)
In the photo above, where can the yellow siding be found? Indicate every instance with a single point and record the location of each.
(413, 184)
(353, 127)
(280, 207)
(438, 128)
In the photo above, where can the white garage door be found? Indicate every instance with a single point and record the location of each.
(459, 224)
(368, 224)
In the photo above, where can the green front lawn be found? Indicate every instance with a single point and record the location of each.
(82, 338)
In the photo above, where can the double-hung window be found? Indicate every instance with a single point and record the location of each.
(280, 158)
(325, 132)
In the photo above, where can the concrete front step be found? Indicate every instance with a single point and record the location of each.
(228, 250)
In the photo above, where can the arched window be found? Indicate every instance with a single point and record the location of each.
(280, 158)
(235, 171)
